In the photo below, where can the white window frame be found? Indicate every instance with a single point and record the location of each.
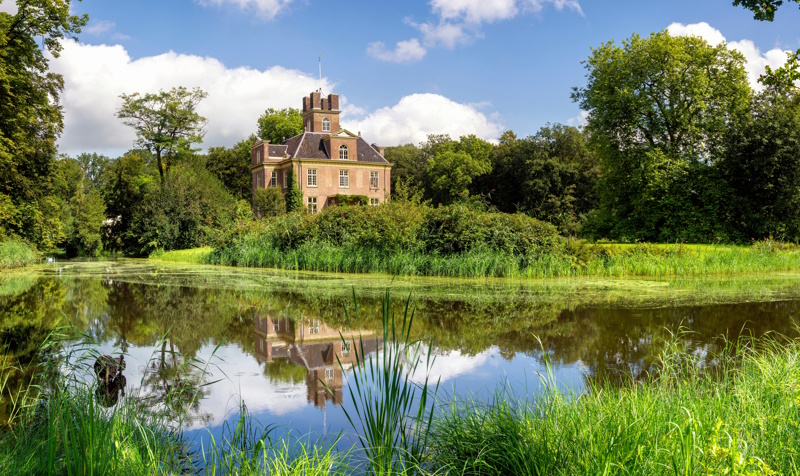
(344, 152)
(286, 178)
(329, 374)
(273, 179)
(258, 156)
(345, 349)
(344, 178)
(313, 327)
(260, 179)
(326, 124)
(311, 174)
(374, 202)
(374, 177)
(311, 203)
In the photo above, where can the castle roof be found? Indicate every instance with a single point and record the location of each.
(311, 145)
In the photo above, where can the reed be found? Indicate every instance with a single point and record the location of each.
(15, 253)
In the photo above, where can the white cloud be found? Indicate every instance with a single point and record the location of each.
(459, 21)
(449, 365)
(757, 61)
(95, 76)
(475, 11)
(8, 6)
(404, 52)
(266, 8)
(100, 27)
(580, 120)
(417, 115)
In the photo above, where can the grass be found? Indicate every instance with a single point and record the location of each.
(193, 255)
(15, 254)
(740, 417)
(579, 260)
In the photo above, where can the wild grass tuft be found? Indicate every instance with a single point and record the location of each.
(16, 253)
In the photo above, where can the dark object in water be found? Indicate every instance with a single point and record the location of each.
(108, 393)
(111, 382)
(107, 367)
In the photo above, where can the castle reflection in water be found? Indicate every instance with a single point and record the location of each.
(314, 346)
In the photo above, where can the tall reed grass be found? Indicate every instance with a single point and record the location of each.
(15, 253)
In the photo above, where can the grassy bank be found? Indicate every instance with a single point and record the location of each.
(15, 253)
(193, 255)
(457, 241)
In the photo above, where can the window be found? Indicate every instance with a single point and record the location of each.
(344, 179)
(328, 374)
(273, 181)
(345, 349)
(313, 328)
(373, 180)
(285, 178)
(374, 201)
(276, 326)
(260, 179)
(312, 177)
(326, 125)
(312, 204)
(258, 156)
(343, 152)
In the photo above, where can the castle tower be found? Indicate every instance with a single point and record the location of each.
(321, 114)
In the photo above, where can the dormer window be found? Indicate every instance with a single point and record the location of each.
(326, 125)
(343, 152)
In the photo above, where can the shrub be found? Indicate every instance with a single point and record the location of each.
(351, 199)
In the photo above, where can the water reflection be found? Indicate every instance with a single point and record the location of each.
(274, 340)
(323, 352)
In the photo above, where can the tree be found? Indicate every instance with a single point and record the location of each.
(232, 167)
(93, 167)
(31, 118)
(90, 212)
(166, 123)
(126, 180)
(658, 111)
(269, 202)
(451, 167)
(294, 196)
(762, 9)
(762, 166)
(278, 125)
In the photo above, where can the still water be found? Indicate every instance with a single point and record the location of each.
(273, 339)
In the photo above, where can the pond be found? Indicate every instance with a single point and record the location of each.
(273, 339)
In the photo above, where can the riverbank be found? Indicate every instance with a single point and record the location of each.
(16, 253)
(609, 260)
(739, 417)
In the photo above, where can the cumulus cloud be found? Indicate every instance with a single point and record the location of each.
(404, 52)
(417, 115)
(580, 120)
(757, 61)
(95, 76)
(266, 8)
(8, 6)
(458, 22)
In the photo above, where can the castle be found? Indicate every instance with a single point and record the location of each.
(327, 160)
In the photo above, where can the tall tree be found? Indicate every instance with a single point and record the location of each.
(763, 9)
(658, 110)
(166, 123)
(232, 167)
(31, 117)
(278, 125)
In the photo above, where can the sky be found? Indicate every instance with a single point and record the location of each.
(403, 69)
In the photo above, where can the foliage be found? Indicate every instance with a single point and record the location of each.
(762, 166)
(31, 118)
(232, 167)
(658, 110)
(762, 9)
(126, 181)
(293, 196)
(269, 202)
(278, 125)
(550, 176)
(90, 212)
(166, 123)
(190, 209)
(16, 253)
(351, 199)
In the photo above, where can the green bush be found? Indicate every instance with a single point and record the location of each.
(351, 199)
(15, 253)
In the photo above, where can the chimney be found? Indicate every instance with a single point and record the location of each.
(306, 104)
(316, 102)
(333, 100)
(380, 150)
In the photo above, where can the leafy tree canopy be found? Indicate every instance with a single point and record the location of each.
(762, 9)
(166, 123)
(232, 167)
(294, 196)
(278, 125)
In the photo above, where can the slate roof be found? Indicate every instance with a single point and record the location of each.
(311, 145)
(276, 150)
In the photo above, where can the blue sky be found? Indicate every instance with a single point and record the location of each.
(463, 66)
